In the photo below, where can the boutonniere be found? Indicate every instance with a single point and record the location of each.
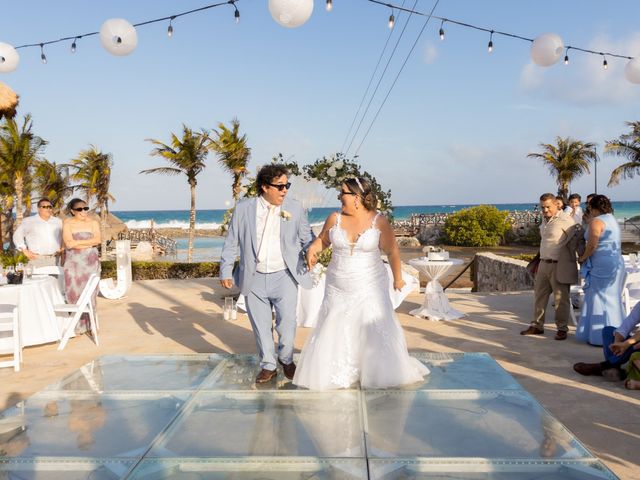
(286, 216)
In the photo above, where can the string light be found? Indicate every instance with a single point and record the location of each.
(329, 5)
(490, 46)
(566, 56)
(73, 45)
(170, 28)
(392, 20)
(441, 31)
(605, 65)
(236, 15)
(43, 57)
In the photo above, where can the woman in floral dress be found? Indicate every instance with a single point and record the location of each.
(81, 235)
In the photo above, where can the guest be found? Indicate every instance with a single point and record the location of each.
(81, 235)
(560, 202)
(574, 209)
(620, 346)
(39, 236)
(603, 272)
(558, 268)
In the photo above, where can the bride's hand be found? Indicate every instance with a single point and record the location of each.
(399, 284)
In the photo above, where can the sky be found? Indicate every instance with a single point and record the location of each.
(456, 127)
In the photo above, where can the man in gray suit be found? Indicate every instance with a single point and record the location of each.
(559, 238)
(270, 235)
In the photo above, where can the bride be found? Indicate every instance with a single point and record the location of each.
(358, 337)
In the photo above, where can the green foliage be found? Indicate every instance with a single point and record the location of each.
(163, 270)
(527, 257)
(12, 258)
(481, 226)
(334, 170)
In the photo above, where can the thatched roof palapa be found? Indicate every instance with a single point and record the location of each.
(8, 101)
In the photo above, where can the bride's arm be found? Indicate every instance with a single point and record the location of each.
(389, 246)
(321, 242)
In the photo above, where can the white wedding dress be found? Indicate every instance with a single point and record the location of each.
(358, 337)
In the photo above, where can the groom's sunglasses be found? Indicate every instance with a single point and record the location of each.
(281, 186)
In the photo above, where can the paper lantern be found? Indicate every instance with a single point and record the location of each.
(291, 13)
(547, 49)
(9, 58)
(632, 70)
(118, 36)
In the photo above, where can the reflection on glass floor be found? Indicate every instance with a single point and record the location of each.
(202, 417)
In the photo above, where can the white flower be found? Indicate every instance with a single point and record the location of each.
(286, 216)
(338, 164)
(331, 171)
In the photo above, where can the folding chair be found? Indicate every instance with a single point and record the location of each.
(10, 344)
(631, 291)
(83, 305)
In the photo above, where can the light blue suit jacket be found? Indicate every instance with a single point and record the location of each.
(295, 237)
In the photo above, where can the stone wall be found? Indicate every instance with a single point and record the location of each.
(495, 273)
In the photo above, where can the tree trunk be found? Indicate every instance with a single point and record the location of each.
(103, 231)
(18, 186)
(192, 223)
(237, 186)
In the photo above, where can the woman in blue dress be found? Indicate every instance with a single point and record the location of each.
(603, 271)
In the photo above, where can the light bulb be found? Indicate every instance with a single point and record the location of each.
(490, 46)
(329, 5)
(605, 65)
(441, 34)
(170, 31)
(566, 59)
(237, 15)
(43, 57)
(392, 21)
(73, 47)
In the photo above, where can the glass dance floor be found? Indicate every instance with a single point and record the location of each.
(202, 417)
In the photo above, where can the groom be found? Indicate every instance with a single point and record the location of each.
(270, 234)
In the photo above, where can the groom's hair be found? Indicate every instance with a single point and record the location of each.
(268, 173)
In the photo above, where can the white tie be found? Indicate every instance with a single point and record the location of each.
(266, 232)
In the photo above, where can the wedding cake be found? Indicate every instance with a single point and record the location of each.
(438, 256)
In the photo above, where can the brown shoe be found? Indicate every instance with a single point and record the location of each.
(289, 370)
(532, 331)
(265, 375)
(588, 369)
(561, 335)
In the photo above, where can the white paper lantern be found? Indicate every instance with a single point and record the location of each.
(118, 36)
(547, 49)
(632, 70)
(9, 58)
(291, 13)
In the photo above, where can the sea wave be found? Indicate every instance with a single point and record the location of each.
(138, 224)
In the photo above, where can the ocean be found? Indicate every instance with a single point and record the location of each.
(209, 248)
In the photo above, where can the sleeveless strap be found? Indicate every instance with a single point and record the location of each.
(338, 219)
(373, 222)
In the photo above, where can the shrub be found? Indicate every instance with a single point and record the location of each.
(481, 226)
(164, 270)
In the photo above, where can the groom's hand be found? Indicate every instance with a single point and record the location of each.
(226, 283)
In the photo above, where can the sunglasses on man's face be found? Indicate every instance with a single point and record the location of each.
(81, 209)
(281, 186)
(48, 207)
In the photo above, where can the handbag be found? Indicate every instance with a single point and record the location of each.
(532, 266)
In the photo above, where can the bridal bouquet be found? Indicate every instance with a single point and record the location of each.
(320, 268)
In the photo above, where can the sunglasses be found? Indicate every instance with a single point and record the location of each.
(341, 194)
(81, 209)
(48, 207)
(281, 186)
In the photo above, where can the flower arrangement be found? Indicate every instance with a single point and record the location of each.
(9, 258)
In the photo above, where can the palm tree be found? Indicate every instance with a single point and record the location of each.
(20, 151)
(53, 182)
(567, 160)
(626, 146)
(233, 153)
(93, 171)
(185, 155)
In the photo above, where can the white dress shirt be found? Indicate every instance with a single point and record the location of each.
(577, 217)
(268, 236)
(43, 237)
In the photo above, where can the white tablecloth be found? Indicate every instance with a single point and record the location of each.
(35, 299)
(436, 304)
(310, 299)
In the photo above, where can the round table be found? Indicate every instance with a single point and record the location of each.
(436, 304)
(35, 299)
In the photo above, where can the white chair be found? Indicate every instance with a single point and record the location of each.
(10, 344)
(631, 291)
(75, 311)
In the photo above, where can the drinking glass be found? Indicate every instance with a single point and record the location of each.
(229, 311)
(19, 267)
(28, 271)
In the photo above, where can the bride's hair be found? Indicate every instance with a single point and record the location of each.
(362, 187)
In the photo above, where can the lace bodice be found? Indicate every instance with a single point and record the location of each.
(367, 242)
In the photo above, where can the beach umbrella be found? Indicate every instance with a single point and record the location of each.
(8, 101)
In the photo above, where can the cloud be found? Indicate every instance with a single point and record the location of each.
(430, 53)
(584, 82)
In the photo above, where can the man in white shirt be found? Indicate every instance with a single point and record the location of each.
(574, 209)
(39, 236)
